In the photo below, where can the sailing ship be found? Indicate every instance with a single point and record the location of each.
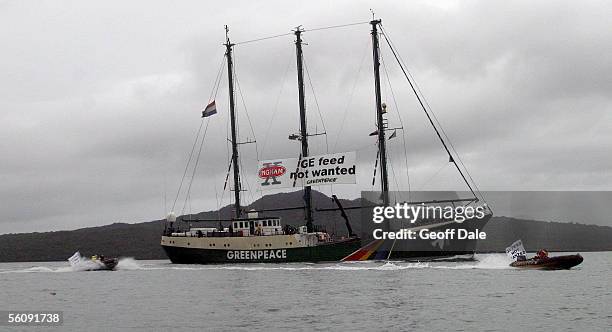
(253, 236)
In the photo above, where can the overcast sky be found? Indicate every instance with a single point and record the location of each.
(100, 101)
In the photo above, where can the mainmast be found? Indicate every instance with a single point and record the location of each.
(380, 121)
(303, 131)
(230, 82)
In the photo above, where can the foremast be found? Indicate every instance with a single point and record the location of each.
(234, 139)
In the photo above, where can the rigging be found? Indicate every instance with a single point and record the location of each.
(450, 156)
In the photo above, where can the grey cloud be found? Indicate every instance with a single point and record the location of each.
(101, 104)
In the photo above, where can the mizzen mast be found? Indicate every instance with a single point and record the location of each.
(380, 121)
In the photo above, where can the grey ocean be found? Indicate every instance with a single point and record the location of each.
(470, 296)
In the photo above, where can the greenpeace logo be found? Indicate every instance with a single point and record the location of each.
(256, 254)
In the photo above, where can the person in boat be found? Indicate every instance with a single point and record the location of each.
(541, 254)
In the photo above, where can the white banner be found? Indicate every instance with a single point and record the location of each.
(516, 249)
(337, 168)
(75, 259)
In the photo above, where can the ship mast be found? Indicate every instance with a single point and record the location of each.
(303, 131)
(234, 140)
(380, 121)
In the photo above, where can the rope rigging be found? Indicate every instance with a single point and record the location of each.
(291, 33)
(314, 95)
(348, 104)
(278, 98)
(427, 113)
(399, 116)
(213, 95)
(194, 155)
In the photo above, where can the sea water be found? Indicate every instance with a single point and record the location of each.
(460, 296)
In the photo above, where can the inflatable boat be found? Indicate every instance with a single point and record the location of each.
(95, 263)
(549, 263)
(105, 264)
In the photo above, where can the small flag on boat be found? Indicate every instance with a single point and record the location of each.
(210, 109)
(75, 259)
(516, 249)
(393, 135)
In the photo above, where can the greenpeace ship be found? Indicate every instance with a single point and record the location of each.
(255, 236)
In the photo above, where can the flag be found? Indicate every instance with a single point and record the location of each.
(516, 249)
(210, 109)
(393, 135)
(75, 259)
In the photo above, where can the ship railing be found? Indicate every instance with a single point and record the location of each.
(218, 234)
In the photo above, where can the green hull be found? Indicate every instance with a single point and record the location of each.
(327, 252)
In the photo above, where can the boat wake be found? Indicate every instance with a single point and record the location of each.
(126, 263)
(484, 262)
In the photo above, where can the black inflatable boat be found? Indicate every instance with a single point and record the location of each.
(549, 263)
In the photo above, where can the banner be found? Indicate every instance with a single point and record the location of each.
(75, 259)
(337, 168)
(516, 249)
